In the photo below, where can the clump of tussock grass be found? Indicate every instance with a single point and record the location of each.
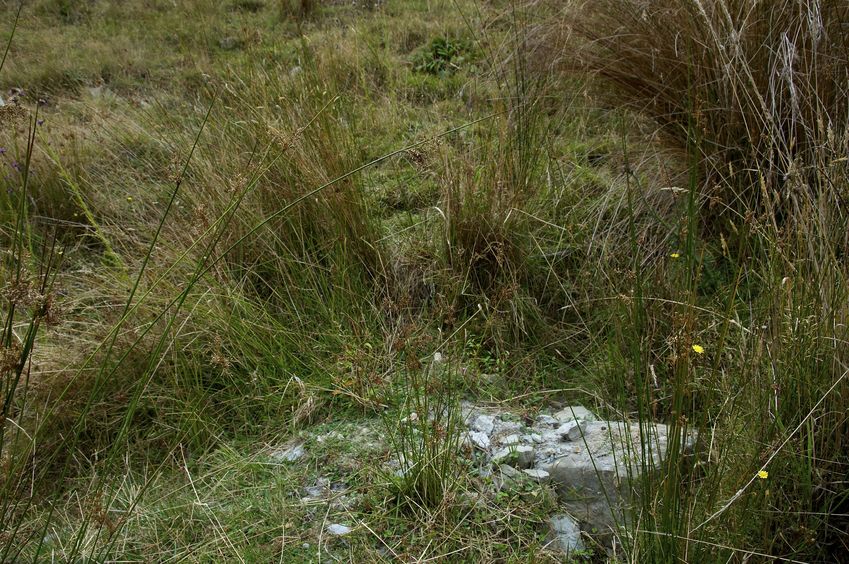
(426, 443)
(757, 89)
(496, 202)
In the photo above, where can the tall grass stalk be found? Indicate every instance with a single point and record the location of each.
(426, 441)
(32, 295)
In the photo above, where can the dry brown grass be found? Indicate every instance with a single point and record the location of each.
(758, 89)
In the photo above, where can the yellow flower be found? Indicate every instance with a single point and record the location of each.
(699, 349)
(675, 255)
(129, 198)
(763, 474)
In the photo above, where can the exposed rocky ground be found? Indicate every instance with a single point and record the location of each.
(589, 464)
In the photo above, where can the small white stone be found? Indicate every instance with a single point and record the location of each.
(552, 436)
(338, 530)
(480, 440)
(547, 420)
(290, 454)
(484, 424)
(509, 440)
(575, 413)
(508, 426)
(538, 474)
(521, 456)
(508, 471)
(571, 431)
(566, 533)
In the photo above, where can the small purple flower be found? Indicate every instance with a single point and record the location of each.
(2, 150)
(16, 166)
(40, 122)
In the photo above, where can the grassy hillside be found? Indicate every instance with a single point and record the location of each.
(232, 228)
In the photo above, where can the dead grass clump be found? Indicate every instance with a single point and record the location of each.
(757, 88)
